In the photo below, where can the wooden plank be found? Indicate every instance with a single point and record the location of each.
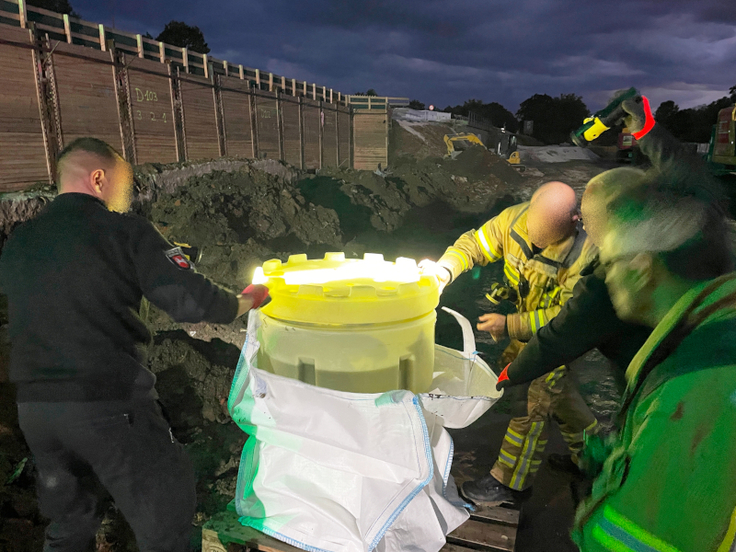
(50, 28)
(237, 117)
(292, 145)
(484, 536)
(43, 11)
(88, 102)
(22, 160)
(310, 133)
(267, 121)
(496, 514)
(329, 141)
(455, 548)
(369, 139)
(22, 150)
(343, 124)
(226, 528)
(223, 533)
(23, 13)
(151, 109)
(200, 125)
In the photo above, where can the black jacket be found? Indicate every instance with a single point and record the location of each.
(74, 277)
(587, 321)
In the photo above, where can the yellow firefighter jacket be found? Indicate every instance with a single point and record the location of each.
(543, 281)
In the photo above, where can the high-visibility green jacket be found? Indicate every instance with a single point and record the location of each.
(669, 483)
(550, 274)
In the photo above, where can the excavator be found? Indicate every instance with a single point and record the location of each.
(505, 147)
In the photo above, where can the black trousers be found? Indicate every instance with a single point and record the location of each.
(129, 449)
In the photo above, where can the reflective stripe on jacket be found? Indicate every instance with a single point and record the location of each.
(550, 274)
(669, 485)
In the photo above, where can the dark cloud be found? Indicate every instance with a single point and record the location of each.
(445, 53)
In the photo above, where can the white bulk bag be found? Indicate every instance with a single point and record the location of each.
(463, 387)
(333, 471)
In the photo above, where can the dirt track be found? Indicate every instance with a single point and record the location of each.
(242, 213)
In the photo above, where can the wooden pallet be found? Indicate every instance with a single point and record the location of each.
(489, 528)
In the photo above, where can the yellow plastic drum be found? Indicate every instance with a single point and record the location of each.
(361, 325)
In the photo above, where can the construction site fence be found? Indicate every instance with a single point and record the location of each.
(64, 28)
(53, 91)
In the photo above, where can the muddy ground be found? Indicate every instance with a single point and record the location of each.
(241, 213)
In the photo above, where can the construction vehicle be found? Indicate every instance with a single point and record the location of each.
(627, 148)
(460, 142)
(721, 156)
(505, 146)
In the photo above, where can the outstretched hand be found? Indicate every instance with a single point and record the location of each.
(494, 324)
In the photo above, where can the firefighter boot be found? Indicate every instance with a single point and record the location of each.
(488, 490)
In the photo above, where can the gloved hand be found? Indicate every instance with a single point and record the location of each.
(431, 268)
(257, 293)
(639, 119)
(503, 379)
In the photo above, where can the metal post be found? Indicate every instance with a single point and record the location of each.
(301, 132)
(254, 125)
(280, 123)
(321, 136)
(125, 109)
(48, 104)
(178, 110)
(219, 114)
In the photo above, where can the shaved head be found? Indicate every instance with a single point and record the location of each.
(552, 214)
(92, 167)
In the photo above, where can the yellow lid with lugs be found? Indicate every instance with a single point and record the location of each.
(340, 291)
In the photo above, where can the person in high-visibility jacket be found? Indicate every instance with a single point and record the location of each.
(543, 248)
(668, 478)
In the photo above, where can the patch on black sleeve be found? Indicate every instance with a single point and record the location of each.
(180, 260)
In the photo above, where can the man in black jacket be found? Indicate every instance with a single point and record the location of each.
(588, 320)
(74, 277)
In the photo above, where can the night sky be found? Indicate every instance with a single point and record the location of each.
(444, 52)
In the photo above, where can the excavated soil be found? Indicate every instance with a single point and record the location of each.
(241, 213)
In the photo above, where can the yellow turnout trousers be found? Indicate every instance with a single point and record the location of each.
(552, 396)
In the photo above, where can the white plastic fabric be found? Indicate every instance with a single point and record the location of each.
(332, 471)
(464, 386)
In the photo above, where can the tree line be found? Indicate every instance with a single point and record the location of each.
(556, 117)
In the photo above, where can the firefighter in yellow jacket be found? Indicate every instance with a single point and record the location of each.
(544, 248)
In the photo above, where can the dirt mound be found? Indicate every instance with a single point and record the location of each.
(471, 183)
(417, 140)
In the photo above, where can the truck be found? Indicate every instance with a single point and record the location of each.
(721, 156)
